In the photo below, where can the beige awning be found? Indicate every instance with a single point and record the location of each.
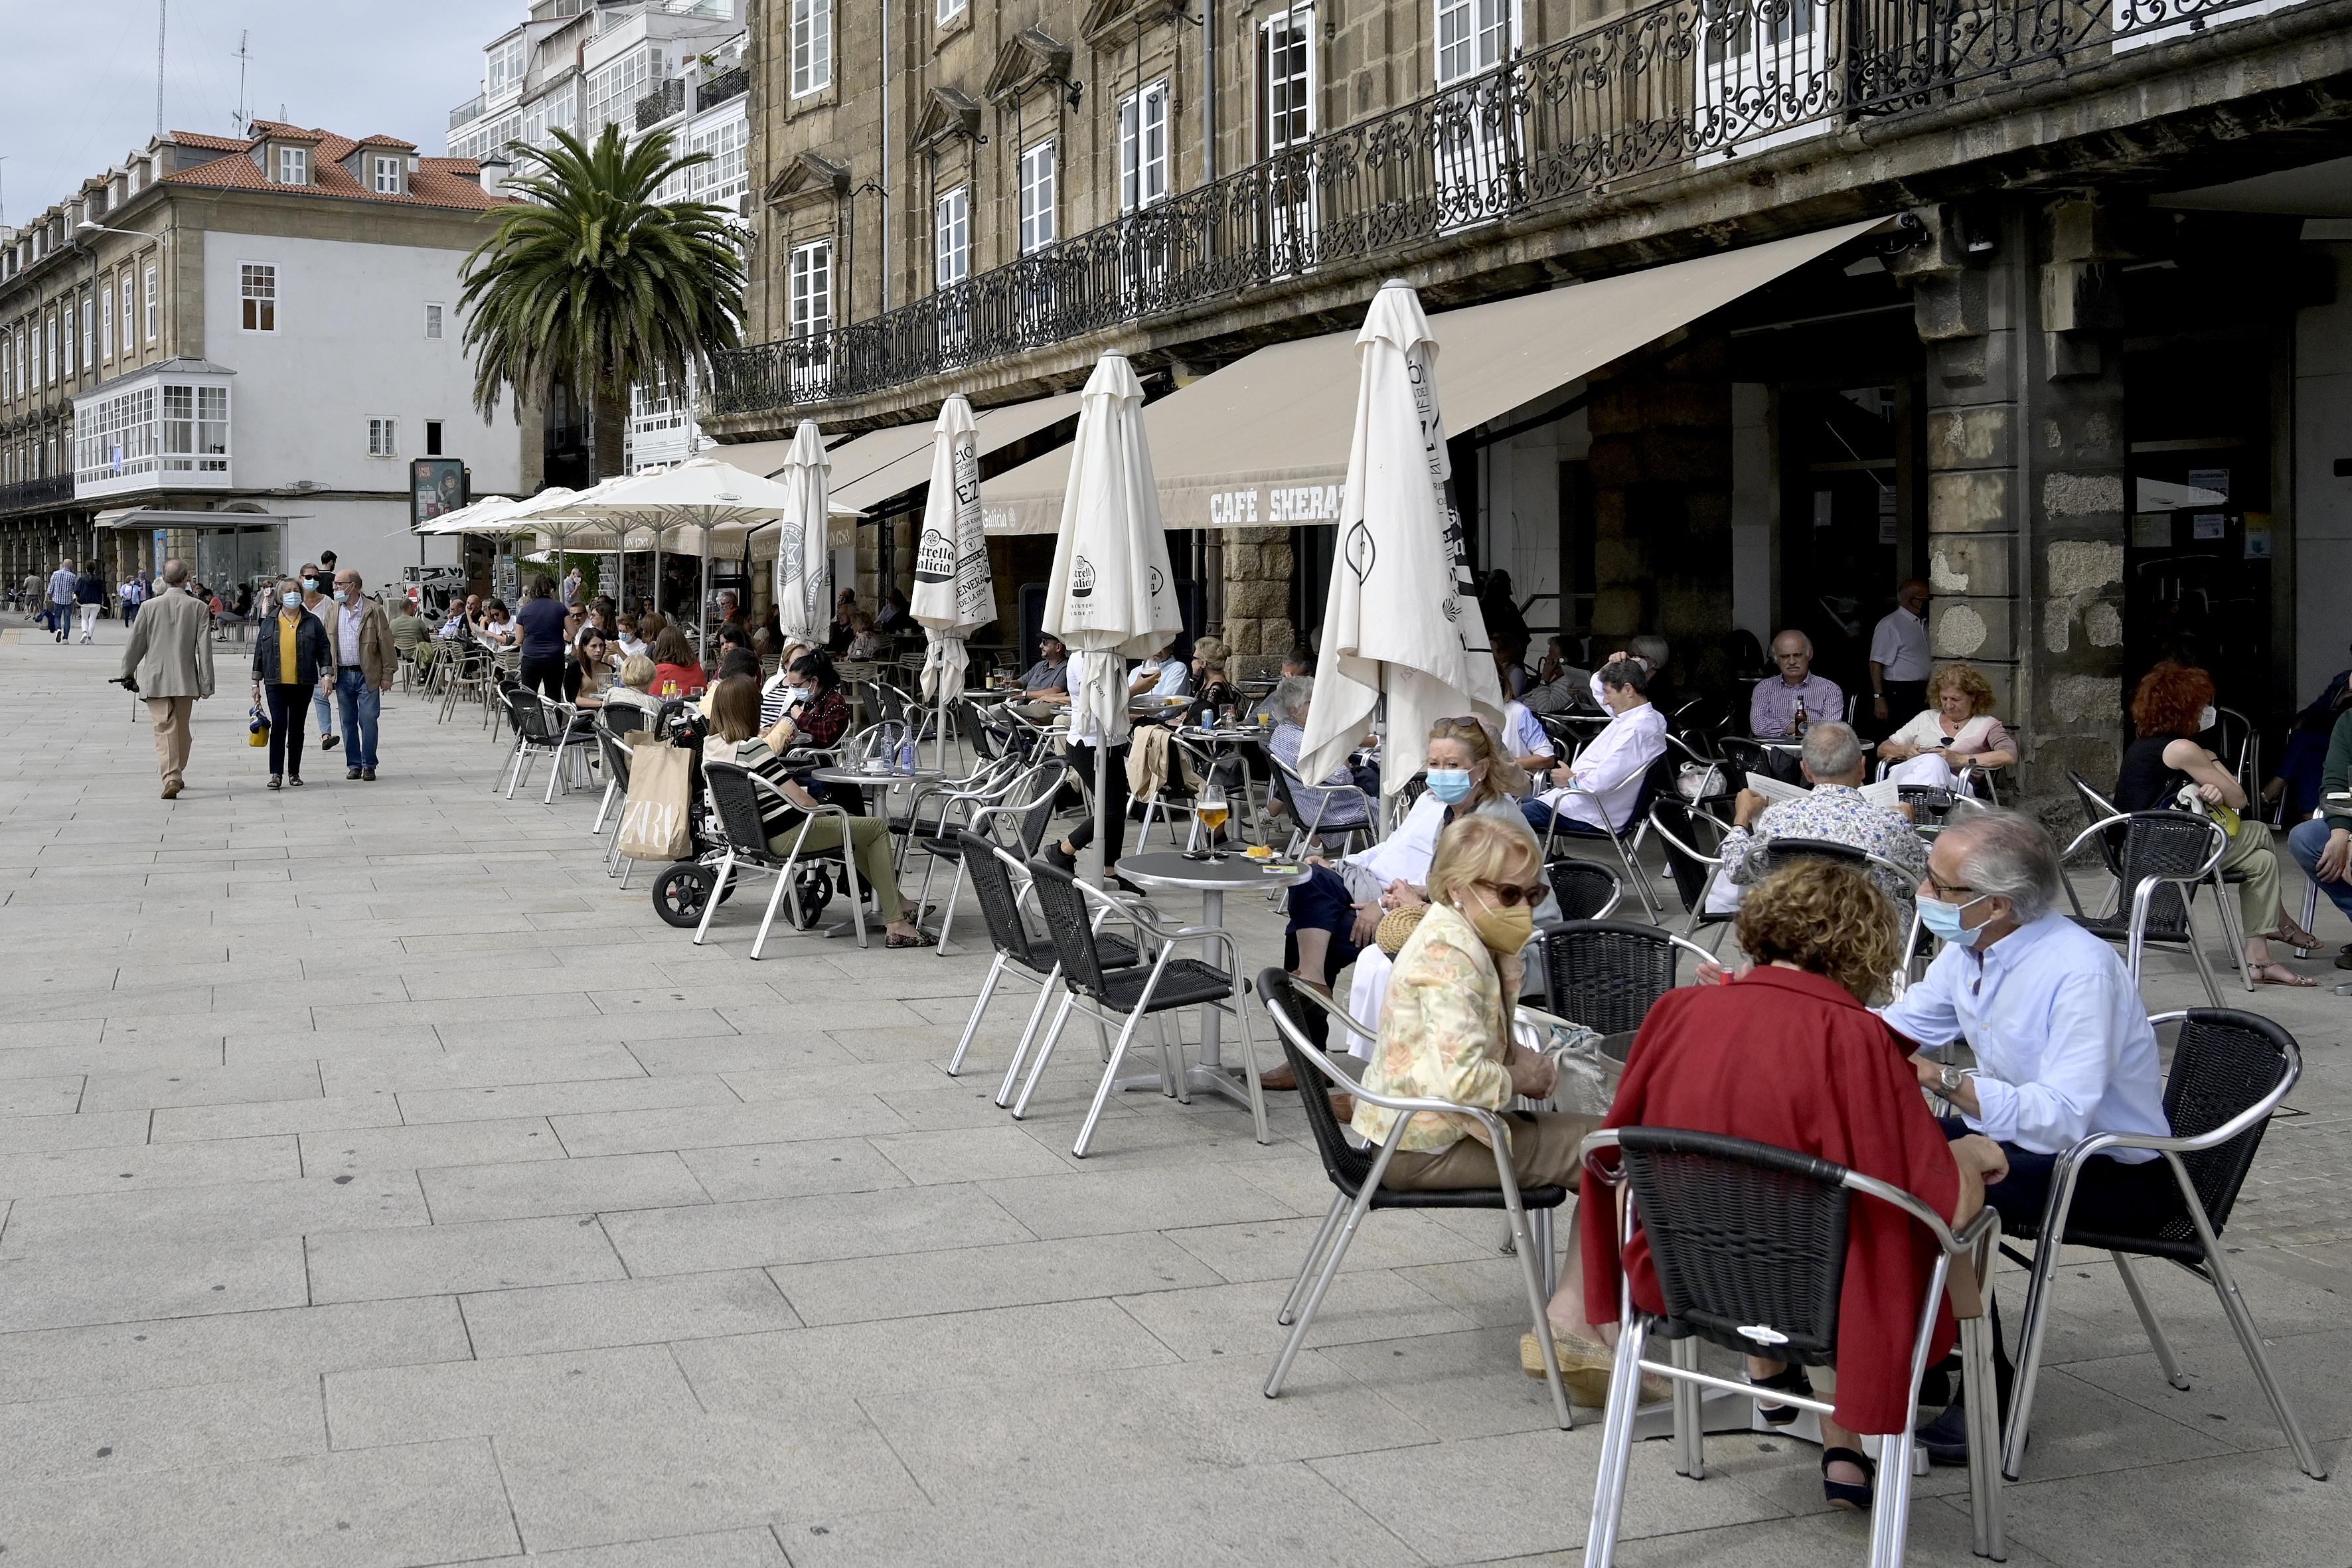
(1264, 442)
(882, 463)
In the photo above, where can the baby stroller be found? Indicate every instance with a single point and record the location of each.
(684, 887)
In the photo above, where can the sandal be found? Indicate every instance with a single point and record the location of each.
(2276, 973)
(1790, 1379)
(277, 783)
(2294, 936)
(901, 940)
(1846, 1494)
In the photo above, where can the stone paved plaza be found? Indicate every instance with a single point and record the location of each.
(380, 1186)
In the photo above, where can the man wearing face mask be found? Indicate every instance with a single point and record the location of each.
(366, 662)
(322, 701)
(1597, 795)
(2062, 1044)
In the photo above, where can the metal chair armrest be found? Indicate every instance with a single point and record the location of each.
(2085, 835)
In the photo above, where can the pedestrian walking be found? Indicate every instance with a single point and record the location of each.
(61, 598)
(169, 665)
(291, 658)
(89, 597)
(316, 581)
(134, 593)
(366, 662)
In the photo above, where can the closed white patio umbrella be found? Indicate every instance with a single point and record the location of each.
(1401, 632)
(804, 565)
(1111, 596)
(954, 595)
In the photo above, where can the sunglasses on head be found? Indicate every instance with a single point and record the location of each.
(1510, 895)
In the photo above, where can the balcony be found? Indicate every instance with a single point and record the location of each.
(725, 85)
(36, 495)
(1680, 84)
(467, 113)
(659, 105)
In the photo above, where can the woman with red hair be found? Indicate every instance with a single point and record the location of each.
(2166, 768)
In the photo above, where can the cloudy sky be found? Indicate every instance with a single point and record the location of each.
(81, 90)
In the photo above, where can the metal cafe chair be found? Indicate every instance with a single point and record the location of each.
(2230, 1070)
(1000, 879)
(1356, 1175)
(1605, 975)
(2164, 855)
(1679, 826)
(1129, 995)
(1025, 801)
(1748, 1242)
(543, 729)
(1340, 809)
(2099, 810)
(735, 795)
(1624, 836)
(1584, 890)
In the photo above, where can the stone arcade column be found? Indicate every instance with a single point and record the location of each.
(2020, 317)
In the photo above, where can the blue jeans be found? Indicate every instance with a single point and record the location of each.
(1541, 816)
(360, 704)
(322, 708)
(2304, 842)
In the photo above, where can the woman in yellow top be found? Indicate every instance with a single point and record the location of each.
(288, 657)
(1445, 1034)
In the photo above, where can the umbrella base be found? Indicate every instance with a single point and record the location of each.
(1197, 1079)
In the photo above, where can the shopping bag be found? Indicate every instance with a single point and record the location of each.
(653, 824)
(257, 728)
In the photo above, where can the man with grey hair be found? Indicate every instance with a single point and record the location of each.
(1835, 811)
(169, 663)
(2062, 1041)
(1320, 805)
(1773, 709)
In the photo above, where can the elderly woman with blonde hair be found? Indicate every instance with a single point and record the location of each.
(1955, 732)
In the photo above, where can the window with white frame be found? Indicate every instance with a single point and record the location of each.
(952, 237)
(89, 331)
(384, 437)
(114, 437)
(293, 166)
(503, 67)
(432, 320)
(387, 176)
(1040, 216)
(811, 290)
(1473, 36)
(68, 313)
(950, 10)
(52, 377)
(153, 309)
(812, 46)
(257, 291)
(196, 429)
(1143, 148)
(106, 323)
(129, 332)
(1285, 68)
(8, 379)
(614, 90)
(724, 178)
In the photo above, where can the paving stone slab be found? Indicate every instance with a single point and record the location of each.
(592, 1185)
(161, 1429)
(171, 1353)
(349, 1151)
(431, 1401)
(792, 1169)
(430, 1260)
(860, 1288)
(120, 1169)
(798, 1230)
(225, 1211)
(114, 1285)
(661, 1310)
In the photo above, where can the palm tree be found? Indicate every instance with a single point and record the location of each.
(597, 283)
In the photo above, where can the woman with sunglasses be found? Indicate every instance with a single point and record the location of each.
(1445, 1034)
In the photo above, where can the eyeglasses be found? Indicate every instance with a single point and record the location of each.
(1510, 895)
(1942, 888)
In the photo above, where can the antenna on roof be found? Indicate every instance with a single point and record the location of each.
(159, 11)
(243, 121)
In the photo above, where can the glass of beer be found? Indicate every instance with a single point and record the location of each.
(1213, 811)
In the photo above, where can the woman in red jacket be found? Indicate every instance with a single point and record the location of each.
(1788, 1054)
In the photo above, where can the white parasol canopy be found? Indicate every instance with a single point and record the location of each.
(1402, 625)
(954, 595)
(803, 572)
(1112, 592)
(485, 515)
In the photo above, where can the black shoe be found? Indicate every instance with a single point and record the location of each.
(1060, 860)
(368, 774)
(1946, 1438)
(1845, 1494)
(1787, 1380)
(350, 773)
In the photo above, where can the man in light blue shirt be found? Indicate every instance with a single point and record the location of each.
(2062, 1044)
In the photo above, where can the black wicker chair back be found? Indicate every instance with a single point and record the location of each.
(1748, 1240)
(616, 759)
(1747, 756)
(1346, 1166)
(1605, 975)
(2225, 1061)
(735, 803)
(624, 718)
(2098, 807)
(1068, 924)
(2163, 844)
(1582, 889)
(1687, 829)
(1000, 900)
(1774, 854)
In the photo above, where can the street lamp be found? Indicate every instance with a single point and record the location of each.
(92, 226)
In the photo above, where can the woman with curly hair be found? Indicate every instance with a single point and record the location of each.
(2167, 770)
(1957, 730)
(1790, 1054)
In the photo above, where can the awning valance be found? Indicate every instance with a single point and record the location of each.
(1264, 442)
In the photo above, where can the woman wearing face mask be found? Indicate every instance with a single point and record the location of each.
(1957, 731)
(781, 694)
(1445, 1034)
(2172, 705)
(1335, 913)
(289, 657)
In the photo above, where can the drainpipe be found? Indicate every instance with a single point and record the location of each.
(1208, 92)
(882, 246)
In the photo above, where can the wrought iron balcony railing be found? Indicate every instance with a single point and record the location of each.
(29, 495)
(727, 84)
(1682, 82)
(659, 105)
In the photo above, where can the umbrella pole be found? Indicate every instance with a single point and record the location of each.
(1101, 846)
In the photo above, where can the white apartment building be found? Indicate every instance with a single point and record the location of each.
(644, 64)
(258, 335)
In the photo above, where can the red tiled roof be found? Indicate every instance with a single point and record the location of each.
(435, 183)
(380, 140)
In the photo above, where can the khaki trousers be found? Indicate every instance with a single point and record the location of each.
(170, 715)
(870, 846)
(1544, 1145)
(2252, 852)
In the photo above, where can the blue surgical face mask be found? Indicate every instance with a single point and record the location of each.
(1451, 785)
(343, 595)
(1944, 920)
(292, 601)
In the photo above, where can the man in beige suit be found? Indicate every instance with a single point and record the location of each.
(171, 659)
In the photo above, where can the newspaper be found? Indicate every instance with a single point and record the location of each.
(1885, 793)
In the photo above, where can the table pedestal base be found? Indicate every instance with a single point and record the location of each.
(1207, 1076)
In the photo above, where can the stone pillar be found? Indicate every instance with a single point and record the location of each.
(2020, 317)
(1258, 564)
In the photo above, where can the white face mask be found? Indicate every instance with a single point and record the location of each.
(342, 596)
(2208, 718)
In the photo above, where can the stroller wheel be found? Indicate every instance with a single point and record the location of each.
(815, 890)
(680, 892)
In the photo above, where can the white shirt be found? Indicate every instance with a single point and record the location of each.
(1899, 646)
(2063, 1042)
(1607, 772)
(1524, 733)
(347, 634)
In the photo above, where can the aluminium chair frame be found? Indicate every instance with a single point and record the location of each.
(2043, 1271)
(1306, 832)
(1697, 913)
(2102, 813)
(732, 859)
(1005, 965)
(1890, 1511)
(1530, 1230)
(2144, 895)
(1628, 851)
(1001, 802)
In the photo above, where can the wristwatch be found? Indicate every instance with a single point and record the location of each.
(1948, 1078)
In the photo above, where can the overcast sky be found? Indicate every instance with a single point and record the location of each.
(82, 84)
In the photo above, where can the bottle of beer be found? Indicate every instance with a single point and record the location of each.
(1798, 720)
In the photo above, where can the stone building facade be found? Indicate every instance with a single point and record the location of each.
(2085, 379)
